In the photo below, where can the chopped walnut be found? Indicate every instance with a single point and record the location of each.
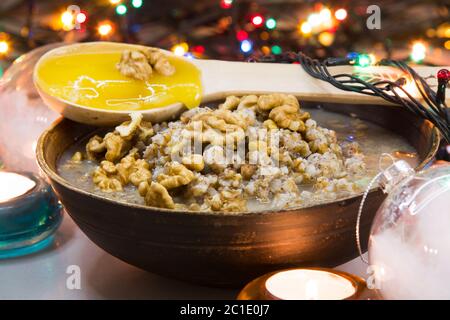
(131, 169)
(128, 129)
(268, 102)
(156, 195)
(193, 162)
(231, 103)
(248, 170)
(248, 102)
(138, 64)
(116, 146)
(289, 117)
(108, 167)
(77, 157)
(95, 147)
(134, 64)
(176, 175)
(159, 61)
(106, 182)
(270, 124)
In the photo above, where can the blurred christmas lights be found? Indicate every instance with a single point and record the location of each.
(418, 52)
(246, 46)
(137, 3)
(67, 20)
(257, 20)
(264, 36)
(4, 47)
(326, 38)
(226, 4)
(276, 49)
(447, 44)
(121, 9)
(363, 60)
(115, 1)
(271, 23)
(305, 28)
(180, 49)
(265, 50)
(198, 50)
(241, 35)
(340, 14)
(81, 17)
(105, 28)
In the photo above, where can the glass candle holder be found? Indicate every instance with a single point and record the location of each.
(30, 214)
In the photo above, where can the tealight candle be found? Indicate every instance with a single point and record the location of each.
(30, 213)
(13, 185)
(304, 284)
(301, 284)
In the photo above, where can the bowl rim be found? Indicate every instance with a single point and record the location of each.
(53, 175)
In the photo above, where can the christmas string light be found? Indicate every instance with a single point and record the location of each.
(246, 46)
(226, 4)
(4, 47)
(257, 20)
(81, 17)
(137, 3)
(105, 28)
(121, 9)
(418, 52)
(180, 49)
(340, 14)
(271, 23)
(242, 35)
(67, 20)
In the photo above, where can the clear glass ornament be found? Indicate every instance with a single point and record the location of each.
(409, 244)
(23, 115)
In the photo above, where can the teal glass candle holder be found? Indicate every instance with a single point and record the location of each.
(29, 221)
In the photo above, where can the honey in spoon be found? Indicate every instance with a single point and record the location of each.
(87, 76)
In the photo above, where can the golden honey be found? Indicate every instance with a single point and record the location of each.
(87, 76)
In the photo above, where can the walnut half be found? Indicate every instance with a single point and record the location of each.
(156, 195)
(139, 64)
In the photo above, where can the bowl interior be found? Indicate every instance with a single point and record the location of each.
(420, 133)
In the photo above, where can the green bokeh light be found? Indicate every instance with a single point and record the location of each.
(121, 9)
(363, 60)
(271, 23)
(276, 49)
(137, 3)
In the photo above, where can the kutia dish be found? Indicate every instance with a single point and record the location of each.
(217, 247)
(252, 153)
(229, 190)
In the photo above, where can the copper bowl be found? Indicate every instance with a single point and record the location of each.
(219, 249)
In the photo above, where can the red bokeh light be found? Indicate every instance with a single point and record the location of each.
(198, 49)
(257, 20)
(226, 4)
(242, 35)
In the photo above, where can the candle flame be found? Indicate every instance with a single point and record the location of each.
(13, 185)
(311, 290)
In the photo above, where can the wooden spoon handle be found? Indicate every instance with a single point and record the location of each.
(222, 78)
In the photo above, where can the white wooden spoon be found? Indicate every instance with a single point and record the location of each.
(223, 78)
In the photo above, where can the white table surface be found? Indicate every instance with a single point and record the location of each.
(43, 275)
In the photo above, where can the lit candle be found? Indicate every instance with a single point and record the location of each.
(305, 284)
(30, 214)
(13, 185)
